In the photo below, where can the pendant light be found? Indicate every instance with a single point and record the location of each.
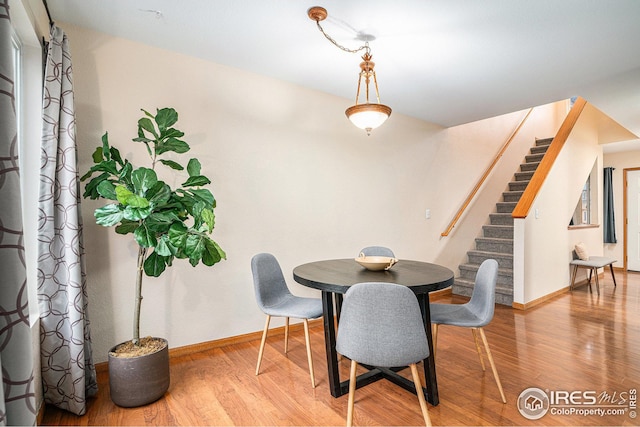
(368, 115)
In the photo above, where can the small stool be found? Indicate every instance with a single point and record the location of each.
(593, 264)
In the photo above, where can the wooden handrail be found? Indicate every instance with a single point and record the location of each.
(484, 176)
(531, 192)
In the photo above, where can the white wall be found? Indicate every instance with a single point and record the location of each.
(619, 161)
(544, 243)
(291, 175)
(542, 123)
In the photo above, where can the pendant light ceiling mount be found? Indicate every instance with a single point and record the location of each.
(368, 115)
(317, 13)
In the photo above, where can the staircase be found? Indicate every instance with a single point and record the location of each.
(497, 239)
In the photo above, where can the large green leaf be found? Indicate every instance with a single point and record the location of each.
(142, 138)
(196, 209)
(196, 181)
(125, 172)
(171, 133)
(159, 194)
(107, 190)
(105, 146)
(123, 193)
(194, 167)
(97, 155)
(165, 118)
(146, 124)
(163, 247)
(166, 217)
(196, 212)
(109, 215)
(209, 218)
(194, 246)
(143, 179)
(136, 214)
(186, 199)
(127, 198)
(213, 253)
(172, 164)
(172, 144)
(160, 223)
(115, 155)
(91, 189)
(104, 166)
(155, 264)
(126, 226)
(178, 234)
(144, 236)
(204, 195)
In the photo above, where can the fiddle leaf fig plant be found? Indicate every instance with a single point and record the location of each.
(166, 223)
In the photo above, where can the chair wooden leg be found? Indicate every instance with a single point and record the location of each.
(478, 349)
(309, 358)
(595, 271)
(573, 277)
(286, 334)
(264, 340)
(420, 393)
(352, 392)
(434, 336)
(493, 365)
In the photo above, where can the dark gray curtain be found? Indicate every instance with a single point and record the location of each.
(609, 214)
(68, 373)
(17, 398)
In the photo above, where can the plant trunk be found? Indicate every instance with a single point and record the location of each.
(142, 251)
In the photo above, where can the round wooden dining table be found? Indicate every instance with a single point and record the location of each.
(334, 277)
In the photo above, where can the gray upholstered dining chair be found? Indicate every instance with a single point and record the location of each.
(377, 251)
(275, 299)
(475, 314)
(381, 325)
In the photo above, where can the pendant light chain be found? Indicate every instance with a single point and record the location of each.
(338, 45)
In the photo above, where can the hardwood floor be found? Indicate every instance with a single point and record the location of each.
(574, 342)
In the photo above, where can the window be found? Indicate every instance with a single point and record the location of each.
(582, 214)
(585, 212)
(27, 60)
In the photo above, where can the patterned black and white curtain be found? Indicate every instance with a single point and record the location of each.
(68, 373)
(17, 397)
(609, 213)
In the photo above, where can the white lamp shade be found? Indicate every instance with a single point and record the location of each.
(368, 116)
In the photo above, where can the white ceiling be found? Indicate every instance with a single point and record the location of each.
(444, 61)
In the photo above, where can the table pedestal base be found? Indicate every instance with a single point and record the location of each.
(339, 388)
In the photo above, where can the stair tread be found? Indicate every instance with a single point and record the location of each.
(490, 254)
(500, 289)
(539, 149)
(531, 158)
(495, 239)
(472, 266)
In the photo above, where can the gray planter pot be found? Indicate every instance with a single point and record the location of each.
(138, 381)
